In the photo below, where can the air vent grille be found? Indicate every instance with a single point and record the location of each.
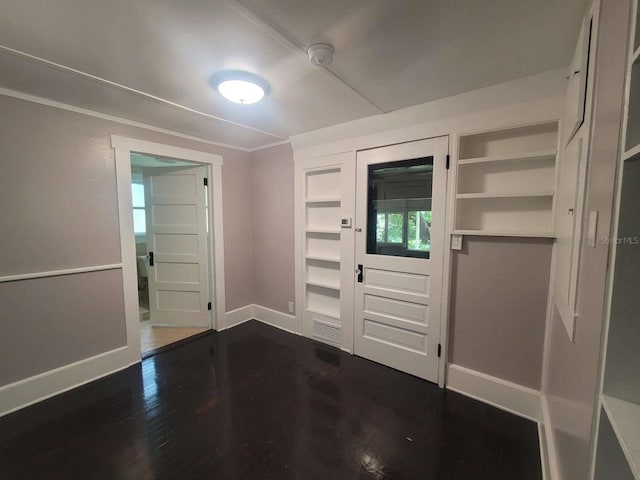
(327, 332)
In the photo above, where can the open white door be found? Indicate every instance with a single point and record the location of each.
(400, 217)
(177, 246)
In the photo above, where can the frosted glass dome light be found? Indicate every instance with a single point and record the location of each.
(241, 91)
(240, 87)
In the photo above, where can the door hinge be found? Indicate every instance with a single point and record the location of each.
(439, 350)
(448, 160)
(209, 306)
(151, 264)
(206, 181)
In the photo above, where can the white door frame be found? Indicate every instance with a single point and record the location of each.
(123, 147)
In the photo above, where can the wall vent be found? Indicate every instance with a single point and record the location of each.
(327, 332)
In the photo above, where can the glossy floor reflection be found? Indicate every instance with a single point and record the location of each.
(257, 403)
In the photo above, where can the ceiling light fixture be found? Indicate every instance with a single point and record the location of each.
(240, 87)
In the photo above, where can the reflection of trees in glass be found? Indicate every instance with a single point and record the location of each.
(390, 226)
(394, 227)
(419, 231)
(381, 228)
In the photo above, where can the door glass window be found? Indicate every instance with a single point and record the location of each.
(399, 208)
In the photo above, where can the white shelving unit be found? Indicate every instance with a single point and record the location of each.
(506, 182)
(618, 441)
(322, 252)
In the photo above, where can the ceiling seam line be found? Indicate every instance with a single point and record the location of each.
(136, 92)
(284, 39)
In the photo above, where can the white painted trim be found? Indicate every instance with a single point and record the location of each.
(134, 91)
(544, 452)
(143, 146)
(283, 321)
(240, 315)
(34, 389)
(273, 318)
(447, 262)
(59, 273)
(123, 121)
(550, 442)
(508, 396)
(123, 147)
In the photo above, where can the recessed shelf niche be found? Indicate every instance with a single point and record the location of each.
(506, 182)
(322, 210)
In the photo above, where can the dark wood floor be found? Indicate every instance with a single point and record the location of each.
(258, 403)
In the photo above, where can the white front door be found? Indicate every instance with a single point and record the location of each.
(177, 246)
(400, 217)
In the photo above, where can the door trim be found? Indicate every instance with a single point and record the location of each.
(123, 147)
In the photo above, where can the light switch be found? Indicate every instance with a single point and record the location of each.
(456, 242)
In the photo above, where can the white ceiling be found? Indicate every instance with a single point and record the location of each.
(151, 60)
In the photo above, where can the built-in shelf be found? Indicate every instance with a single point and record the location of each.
(328, 286)
(503, 195)
(495, 175)
(509, 158)
(625, 420)
(323, 200)
(323, 259)
(324, 231)
(493, 233)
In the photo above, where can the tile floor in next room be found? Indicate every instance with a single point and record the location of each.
(254, 402)
(152, 338)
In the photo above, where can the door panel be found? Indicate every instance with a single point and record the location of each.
(400, 212)
(177, 237)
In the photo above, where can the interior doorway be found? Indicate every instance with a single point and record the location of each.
(170, 222)
(170, 205)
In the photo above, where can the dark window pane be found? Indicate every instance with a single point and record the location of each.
(399, 208)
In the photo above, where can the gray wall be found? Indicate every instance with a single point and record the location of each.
(54, 321)
(273, 227)
(499, 292)
(58, 192)
(574, 367)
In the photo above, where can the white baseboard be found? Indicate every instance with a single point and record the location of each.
(283, 321)
(513, 398)
(550, 458)
(34, 389)
(239, 315)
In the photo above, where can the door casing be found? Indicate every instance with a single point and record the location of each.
(123, 147)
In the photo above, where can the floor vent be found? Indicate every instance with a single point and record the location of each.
(327, 332)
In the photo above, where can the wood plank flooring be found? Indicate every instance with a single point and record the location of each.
(254, 402)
